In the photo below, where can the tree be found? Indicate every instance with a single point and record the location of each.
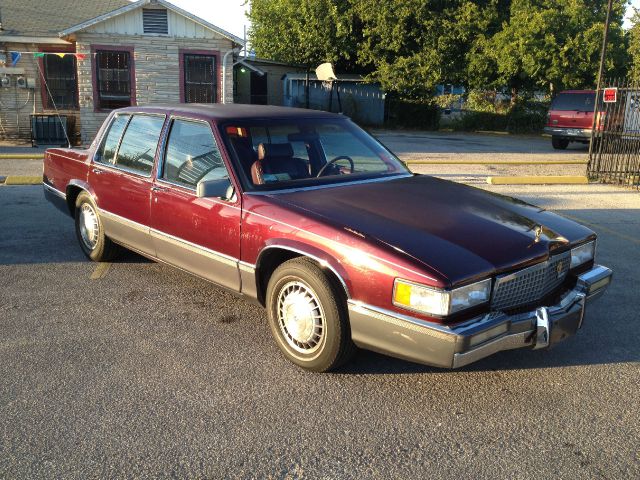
(303, 32)
(547, 45)
(634, 46)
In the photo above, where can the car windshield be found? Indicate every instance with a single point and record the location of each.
(296, 153)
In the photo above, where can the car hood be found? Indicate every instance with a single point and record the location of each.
(461, 232)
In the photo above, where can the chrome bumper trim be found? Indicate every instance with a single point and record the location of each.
(440, 345)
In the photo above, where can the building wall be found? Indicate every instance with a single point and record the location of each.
(157, 72)
(17, 104)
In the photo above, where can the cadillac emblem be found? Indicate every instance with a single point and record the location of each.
(559, 268)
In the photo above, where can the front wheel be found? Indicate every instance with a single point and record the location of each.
(94, 243)
(308, 316)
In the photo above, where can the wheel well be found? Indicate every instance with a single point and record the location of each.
(273, 258)
(72, 194)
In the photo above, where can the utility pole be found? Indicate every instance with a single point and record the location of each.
(603, 55)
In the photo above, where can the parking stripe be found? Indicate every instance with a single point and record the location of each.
(100, 271)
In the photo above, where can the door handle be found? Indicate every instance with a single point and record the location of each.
(158, 189)
(97, 171)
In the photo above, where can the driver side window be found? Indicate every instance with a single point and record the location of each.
(192, 154)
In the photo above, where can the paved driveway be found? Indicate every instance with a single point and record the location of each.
(135, 369)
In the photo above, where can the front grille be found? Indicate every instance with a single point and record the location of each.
(530, 284)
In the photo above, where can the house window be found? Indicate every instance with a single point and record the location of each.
(113, 78)
(155, 21)
(61, 81)
(200, 83)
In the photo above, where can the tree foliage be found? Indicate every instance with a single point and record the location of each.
(634, 46)
(410, 46)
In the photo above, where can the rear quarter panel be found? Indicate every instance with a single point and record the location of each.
(64, 165)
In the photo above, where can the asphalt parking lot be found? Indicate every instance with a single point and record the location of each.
(135, 369)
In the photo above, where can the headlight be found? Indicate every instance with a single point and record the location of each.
(434, 301)
(582, 254)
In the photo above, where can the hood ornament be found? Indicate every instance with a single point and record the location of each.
(538, 233)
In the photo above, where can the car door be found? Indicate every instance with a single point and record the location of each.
(200, 235)
(121, 178)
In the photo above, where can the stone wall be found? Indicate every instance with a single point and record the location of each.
(17, 104)
(157, 71)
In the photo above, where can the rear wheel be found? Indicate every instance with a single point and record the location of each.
(559, 143)
(93, 242)
(308, 316)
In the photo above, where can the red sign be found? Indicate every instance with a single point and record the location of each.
(611, 95)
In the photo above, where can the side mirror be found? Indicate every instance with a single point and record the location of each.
(220, 188)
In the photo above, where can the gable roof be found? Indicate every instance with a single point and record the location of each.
(128, 7)
(37, 18)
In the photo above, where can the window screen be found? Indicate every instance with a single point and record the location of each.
(113, 76)
(62, 82)
(139, 143)
(107, 151)
(192, 154)
(200, 83)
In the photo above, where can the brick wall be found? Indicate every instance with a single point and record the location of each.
(157, 72)
(16, 104)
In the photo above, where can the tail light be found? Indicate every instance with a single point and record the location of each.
(600, 120)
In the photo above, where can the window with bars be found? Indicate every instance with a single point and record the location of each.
(61, 79)
(200, 81)
(113, 78)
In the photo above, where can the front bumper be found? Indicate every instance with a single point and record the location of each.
(438, 345)
(578, 134)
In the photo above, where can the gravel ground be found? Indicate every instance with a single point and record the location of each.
(146, 372)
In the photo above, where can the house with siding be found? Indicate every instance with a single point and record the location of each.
(81, 59)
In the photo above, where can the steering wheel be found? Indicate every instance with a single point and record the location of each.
(331, 162)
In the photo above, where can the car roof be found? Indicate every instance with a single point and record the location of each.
(219, 111)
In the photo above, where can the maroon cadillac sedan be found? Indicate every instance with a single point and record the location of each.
(307, 214)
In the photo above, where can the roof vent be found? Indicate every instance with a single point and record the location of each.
(154, 20)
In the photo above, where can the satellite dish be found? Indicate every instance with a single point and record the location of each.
(325, 73)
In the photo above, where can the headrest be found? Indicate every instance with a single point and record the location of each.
(274, 150)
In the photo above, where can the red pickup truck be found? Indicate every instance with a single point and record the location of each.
(570, 118)
(308, 215)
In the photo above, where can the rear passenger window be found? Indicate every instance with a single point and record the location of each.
(140, 142)
(107, 151)
(192, 154)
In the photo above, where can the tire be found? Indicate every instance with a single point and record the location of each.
(559, 143)
(90, 232)
(321, 341)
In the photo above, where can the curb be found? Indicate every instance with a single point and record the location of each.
(21, 156)
(539, 180)
(22, 179)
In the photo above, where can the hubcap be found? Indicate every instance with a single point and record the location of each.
(300, 317)
(88, 223)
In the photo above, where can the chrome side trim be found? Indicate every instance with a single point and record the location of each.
(331, 185)
(55, 191)
(423, 326)
(125, 221)
(246, 267)
(323, 263)
(192, 247)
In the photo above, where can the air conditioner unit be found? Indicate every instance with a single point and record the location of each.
(5, 81)
(25, 82)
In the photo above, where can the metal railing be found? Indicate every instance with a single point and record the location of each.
(614, 154)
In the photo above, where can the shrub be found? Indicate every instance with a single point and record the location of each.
(420, 114)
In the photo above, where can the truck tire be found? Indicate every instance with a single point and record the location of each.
(90, 232)
(559, 143)
(308, 316)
